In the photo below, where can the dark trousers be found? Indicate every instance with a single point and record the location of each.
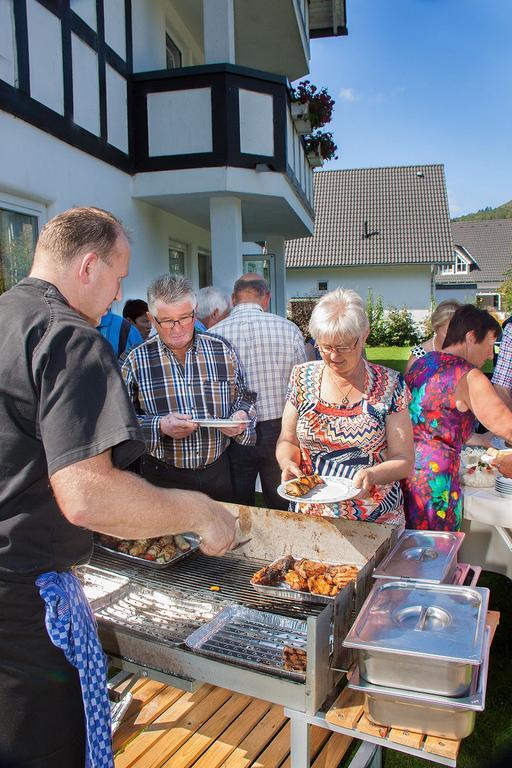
(214, 479)
(41, 707)
(247, 461)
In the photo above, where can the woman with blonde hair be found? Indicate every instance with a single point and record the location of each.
(440, 320)
(346, 417)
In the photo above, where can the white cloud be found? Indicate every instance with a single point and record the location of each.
(347, 94)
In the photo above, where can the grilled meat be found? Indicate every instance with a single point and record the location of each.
(301, 485)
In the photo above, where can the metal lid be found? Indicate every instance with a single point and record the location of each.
(422, 556)
(441, 621)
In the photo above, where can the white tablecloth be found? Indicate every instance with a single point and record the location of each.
(487, 506)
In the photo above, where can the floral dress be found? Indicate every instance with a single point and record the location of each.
(432, 492)
(337, 440)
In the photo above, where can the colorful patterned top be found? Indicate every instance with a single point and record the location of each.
(432, 492)
(337, 440)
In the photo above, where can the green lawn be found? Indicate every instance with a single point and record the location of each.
(396, 357)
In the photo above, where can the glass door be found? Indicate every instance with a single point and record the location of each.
(262, 265)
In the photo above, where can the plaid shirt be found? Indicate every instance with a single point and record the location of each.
(269, 347)
(211, 384)
(503, 372)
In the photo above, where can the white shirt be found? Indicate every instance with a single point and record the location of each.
(268, 347)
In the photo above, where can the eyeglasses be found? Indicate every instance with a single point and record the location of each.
(183, 322)
(328, 350)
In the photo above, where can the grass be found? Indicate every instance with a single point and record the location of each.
(397, 357)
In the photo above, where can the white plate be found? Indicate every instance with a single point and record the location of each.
(219, 422)
(333, 489)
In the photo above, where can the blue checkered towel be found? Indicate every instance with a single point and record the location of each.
(72, 628)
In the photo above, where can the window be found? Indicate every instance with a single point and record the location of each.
(322, 285)
(177, 253)
(204, 268)
(459, 266)
(172, 53)
(18, 234)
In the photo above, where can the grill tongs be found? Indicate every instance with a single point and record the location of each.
(120, 700)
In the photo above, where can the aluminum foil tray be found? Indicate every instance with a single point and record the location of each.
(165, 616)
(250, 638)
(285, 592)
(192, 539)
(99, 586)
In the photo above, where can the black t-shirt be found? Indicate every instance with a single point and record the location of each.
(62, 400)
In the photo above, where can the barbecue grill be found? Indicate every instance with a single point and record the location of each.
(146, 616)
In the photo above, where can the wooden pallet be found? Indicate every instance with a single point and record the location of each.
(210, 728)
(348, 712)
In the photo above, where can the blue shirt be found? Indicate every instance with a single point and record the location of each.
(110, 327)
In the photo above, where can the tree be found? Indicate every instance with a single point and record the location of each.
(505, 289)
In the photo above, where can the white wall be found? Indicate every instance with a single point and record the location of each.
(115, 34)
(465, 295)
(150, 21)
(256, 122)
(171, 115)
(398, 286)
(86, 9)
(7, 42)
(56, 176)
(86, 92)
(45, 56)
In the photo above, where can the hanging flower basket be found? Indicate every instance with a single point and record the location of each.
(300, 116)
(320, 103)
(322, 142)
(315, 159)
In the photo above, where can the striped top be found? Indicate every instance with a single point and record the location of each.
(211, 384)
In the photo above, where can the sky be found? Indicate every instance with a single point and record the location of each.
(425, 81)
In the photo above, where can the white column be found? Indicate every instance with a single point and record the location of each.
(275, 245)
(226, 235)
(219, 31)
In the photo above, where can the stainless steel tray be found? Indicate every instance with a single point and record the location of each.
(428, 556)
(251, 639)
(441, 716)
(285, 592)
(192, 539)
(99, 586)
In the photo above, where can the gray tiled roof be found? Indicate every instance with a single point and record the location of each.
(489, 243)
(406, 205)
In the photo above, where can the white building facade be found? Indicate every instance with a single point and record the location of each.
(173, 114)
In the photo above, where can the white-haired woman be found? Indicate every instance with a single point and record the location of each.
(347, 417)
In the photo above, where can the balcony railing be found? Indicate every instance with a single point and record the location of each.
(217, 115)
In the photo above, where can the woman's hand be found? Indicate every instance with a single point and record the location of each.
(290, 472)
(364, 479)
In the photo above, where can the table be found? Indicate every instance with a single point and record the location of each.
(487, 524)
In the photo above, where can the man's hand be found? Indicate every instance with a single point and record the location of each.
(241, 416)
(365, 480)
(177, 425)
(218, 531)
(290, 472)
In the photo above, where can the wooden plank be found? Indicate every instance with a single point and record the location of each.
(277, 750)
(407, 738)
(204, 737)
(140, 714)
(173, 727)
(492, 621)
(444, 747)
(333, 752)
(236, 733)
(318, 738)
(249, 749)
(372, 729)
(347, 709)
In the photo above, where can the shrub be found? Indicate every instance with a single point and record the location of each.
(400, 328)
(299, 312)
(375, 312)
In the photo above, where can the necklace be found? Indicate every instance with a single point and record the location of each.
(344, 394)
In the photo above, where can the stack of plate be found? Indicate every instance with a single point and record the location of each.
(504, 485)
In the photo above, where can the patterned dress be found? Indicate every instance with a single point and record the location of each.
(432, 491)
(337, 440)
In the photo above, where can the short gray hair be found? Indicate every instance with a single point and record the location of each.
(340, 314)
(209, 299)
(170, 289)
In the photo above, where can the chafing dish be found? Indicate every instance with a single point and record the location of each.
(442, 716)
(429, 556)
(418, 636)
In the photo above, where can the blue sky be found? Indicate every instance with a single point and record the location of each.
(425, 81)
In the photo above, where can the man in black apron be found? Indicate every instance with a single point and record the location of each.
(67, 429)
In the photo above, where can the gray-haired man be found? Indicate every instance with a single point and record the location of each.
(179, 378)
(212, 307)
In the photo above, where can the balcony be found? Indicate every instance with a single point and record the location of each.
(207, 118)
